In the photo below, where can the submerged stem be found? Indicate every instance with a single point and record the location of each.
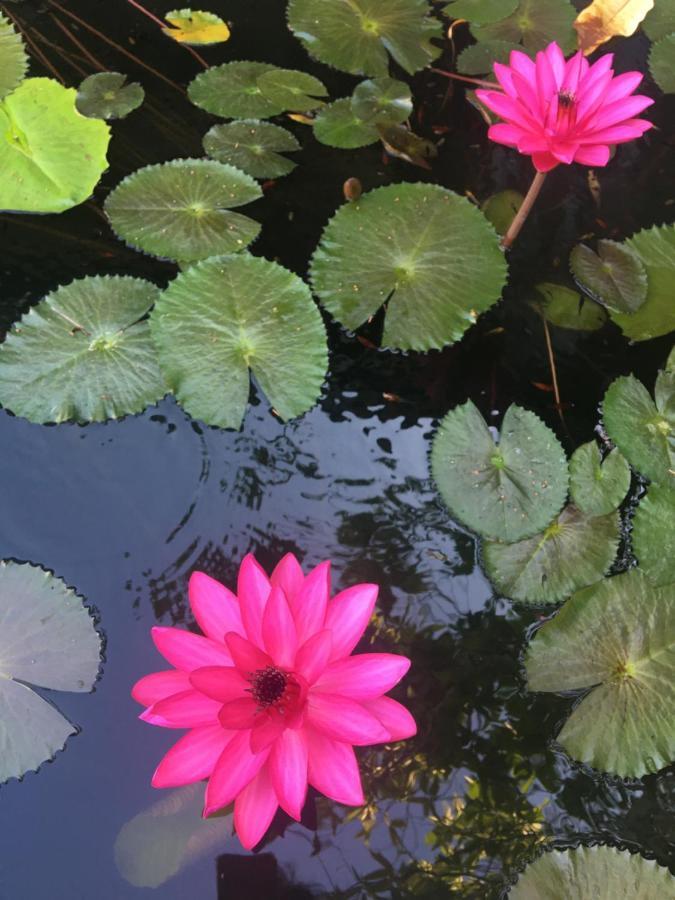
(524, 211)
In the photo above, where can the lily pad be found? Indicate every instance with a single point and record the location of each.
(506, 491)
(600, 872)
(660, 21)
(226, 315)
(337, 125)
(252, 146)
(51, 157)
(500, 209)
(13, 59)
(478, 59)
(357, 36)
(106, 95)
(614, 276)
(47, 639)
(566, 309)
(196, 27)
(574, 551)
(535, 23)
(616, 640)
(653, 534)
(656, 249)
(643, 430)
(83, 354)
(481, 12)
(427, 253)
(598, 486)
(662, 63)
(181, 209)
(382, 101)
(291, 90)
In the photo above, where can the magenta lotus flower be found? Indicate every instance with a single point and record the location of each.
(564, 112)
(271, 695)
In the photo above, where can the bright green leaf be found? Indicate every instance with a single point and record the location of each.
(566, 309)
(13, 59)
(107, 96)
(382, 101)
(480, 12)
(535, 23)
(614, 276)
(196, 27)
(252, 146)
(598, 487)
(653, 534)
(232, 91)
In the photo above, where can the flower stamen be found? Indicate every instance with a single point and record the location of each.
(268, 686)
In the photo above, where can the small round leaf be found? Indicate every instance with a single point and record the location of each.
(500, 209)
(337, 125)
(292, 90)
(189, 26)
(382, 101)
(106, 95)
(653, 534)
(232, 91)
(13, 59)
(566, 309)
(252, 146)
(598, 487)
(614, 276)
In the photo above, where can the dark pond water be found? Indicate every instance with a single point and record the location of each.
(126, 511)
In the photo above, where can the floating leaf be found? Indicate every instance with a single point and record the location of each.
(574, 551)
(357, 35)
(644, 431)
(51, 157)
(382, 101)
(500, 209)
(196, 27)
(481, 12)
(106, 95)
(662, 63)
(291, 90)
(616, 640)
(614, 276)
(13, 59)
(593, 872)
(654, 535)
(478, 59)
(660, 21)
(535, 23)
(47, 639)
(566, 309)
(83, 354)
(602, 20)
(656, 249)
(337, 125)
(403, 143)
(181, 209)
(252, 146)
(227, 315)
(505, 491)
(426, 252)
(598, 486)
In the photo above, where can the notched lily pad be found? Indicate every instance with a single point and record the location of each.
(83, 354)
(182, 209)
(614, 276)
(616, 641)
(189, 26)
(291, 90)
(535, 23)
(478, 59)
(481, 12)
(598, 486)
(13, 59)
(47, 639)
(106, 95)
(337, 125)
(382, 101)
(252, 146)
(662, 63)
(653, 534)
(567, 309)
(506, 491)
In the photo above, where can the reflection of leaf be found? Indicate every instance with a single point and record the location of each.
(13, 61)
(653, 534)
(106, 95)
(196, 27)
(598, 487)
(47, 638)
(604, 19)
(614, 276)
(252, 146)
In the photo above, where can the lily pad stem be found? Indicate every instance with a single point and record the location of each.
(478, 81)
(524, 211)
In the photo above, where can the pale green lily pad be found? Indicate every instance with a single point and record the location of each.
(196, 27)
(656, 249)
(643, 430)
(337, 125)
(653, 534)
(480, 12)
(427, 253)
(598, 486)
(47, 639)
(600, 873)
(226, 315)
(356, 36)
(382, 101)
(535, 23)
(83, 354)
(616, 640)
(232, 91)
(106, 95)
(662, 63)
(51, 157)
(13, 59)
(660, 20)
(567, 309)
(574, 551)
(500, 209)
(506, 491)
(614, 276)
(292, 90)
(252, 146)
(182, 209)
(478, 59)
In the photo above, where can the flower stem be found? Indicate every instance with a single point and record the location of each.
(524, 211)
(479, 81)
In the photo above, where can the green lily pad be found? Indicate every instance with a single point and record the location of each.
(337, 125)
(566, 309)
(500, 209)
(614, 276)
(574, 551)
(535, 23)
(660, 20)
(226, 315)
(600, 872)
(616, 640)
(382, 101)
(47, 639)
(356, 36)
(13, 59)
(480, 12)
(598, 487)
(252, 146)
(427, 253)
(478, 59)
(196, 27)
(51, 157)
(291, 90)
(402, 143)
(662, 63)
(643, 430)
(506, 491)
(106, 95)
(656, 249)
(653, 534)
(181, 209)
(83, 354)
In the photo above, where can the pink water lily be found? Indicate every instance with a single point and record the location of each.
(272, 697)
